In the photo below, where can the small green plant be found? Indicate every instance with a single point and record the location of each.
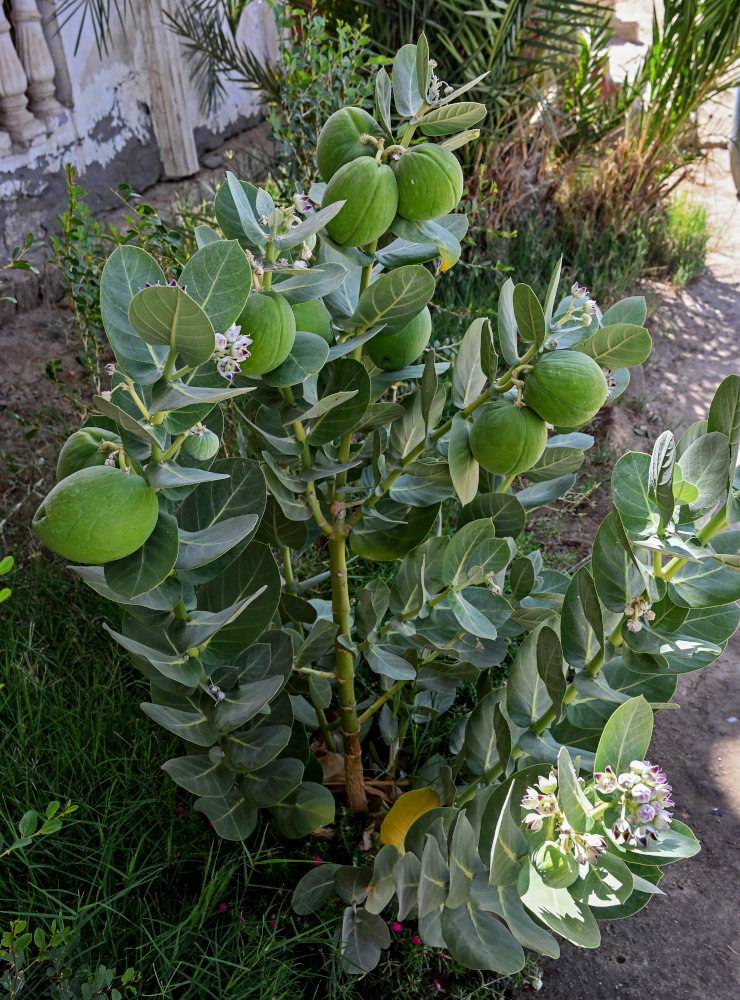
(535, 811)
(678, 240)
(81, 249)
(19, 263)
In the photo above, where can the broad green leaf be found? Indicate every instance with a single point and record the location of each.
(307, 808)
(213, 505)
(404, 812)
(126, 422)
(198, 774)
(555, 462)
(469, 617)
(550, 667)
(507, 333)
(645, 887)
(423, 67)
(219, 278)
(383, 99)
(313, 283)
(314, 890)
(675, 844)
(235, 208)
(530, 318)
(507, 514)
(319, 642)
(406, 876)
(364, 936)
(346, 375)
(617, 579)
(384, 661)
(631, 494)
(170, 475)
(543, 493)
(433, 877)
(146, 568)
(661, 475)
(608, 883)
(310, 225)
(572, 799)
(252, 748)
(126, 271)
(232, 816)
(406, 95)
(273, 782)
(174, 666)
(475, 553)
(391, 530)
(558, 910)
(178, 395)
(525, 930)
(163, 314)
(509, 845)
(706, 584)
(478, 940)
(480, 748)
(307, 356)
(191, 726)
(552, 292)
(521, 577)
(383, 885)
(626, 736)
(242, 703)
(619, 345)
(724, 417)
(254, 569)
(632, 310)
(199, 548)
(204, 236)
(706, 465)
(464, 862)
(452, 118)
(527, 697)
(352, 883)
(468, 377)
(394, 299)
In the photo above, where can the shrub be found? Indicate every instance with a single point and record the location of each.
(537, 811)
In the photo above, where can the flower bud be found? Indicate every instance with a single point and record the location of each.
(641, 792)
(646, 813)
(533, 822)
(605, 781)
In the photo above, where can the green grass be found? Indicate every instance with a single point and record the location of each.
(678, 240)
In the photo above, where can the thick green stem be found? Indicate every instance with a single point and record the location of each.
(287, 569)
(270, 257)
(507, 483)
(169, 365)
(345, 673)
(713, 527)
(379, 702)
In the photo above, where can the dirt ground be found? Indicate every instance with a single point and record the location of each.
(685, 944)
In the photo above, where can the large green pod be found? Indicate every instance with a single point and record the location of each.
(268, 319)
(96, 515)
(392, 352)
(340, 139)
(506, 438)
(566, 388)
(430, 182)
(370, 195)
(82, 450)
(314, 317)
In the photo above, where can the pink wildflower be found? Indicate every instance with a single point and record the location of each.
(318, 860)
(395, 926)
(223, 907)
(416, 939)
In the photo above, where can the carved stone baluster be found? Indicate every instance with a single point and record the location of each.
(14, 114)
(36, 59)
(4, 142)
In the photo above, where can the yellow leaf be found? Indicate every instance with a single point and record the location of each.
(404, 812)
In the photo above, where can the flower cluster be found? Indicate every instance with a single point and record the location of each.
(579, 311)
(644, 797)
(542, 803)
(635, 610)
(231, 348)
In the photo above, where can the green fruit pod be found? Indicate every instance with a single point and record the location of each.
(430, 182)
(507, 439)
(96, 515)
(201, 445)
(392, 352)
(268, 319)
(82, 450)
(566, 388)
(370, 197)
(556, 869)
(314, 317)
(340, 139)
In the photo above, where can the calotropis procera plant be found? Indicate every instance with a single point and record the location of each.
(540, 812)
